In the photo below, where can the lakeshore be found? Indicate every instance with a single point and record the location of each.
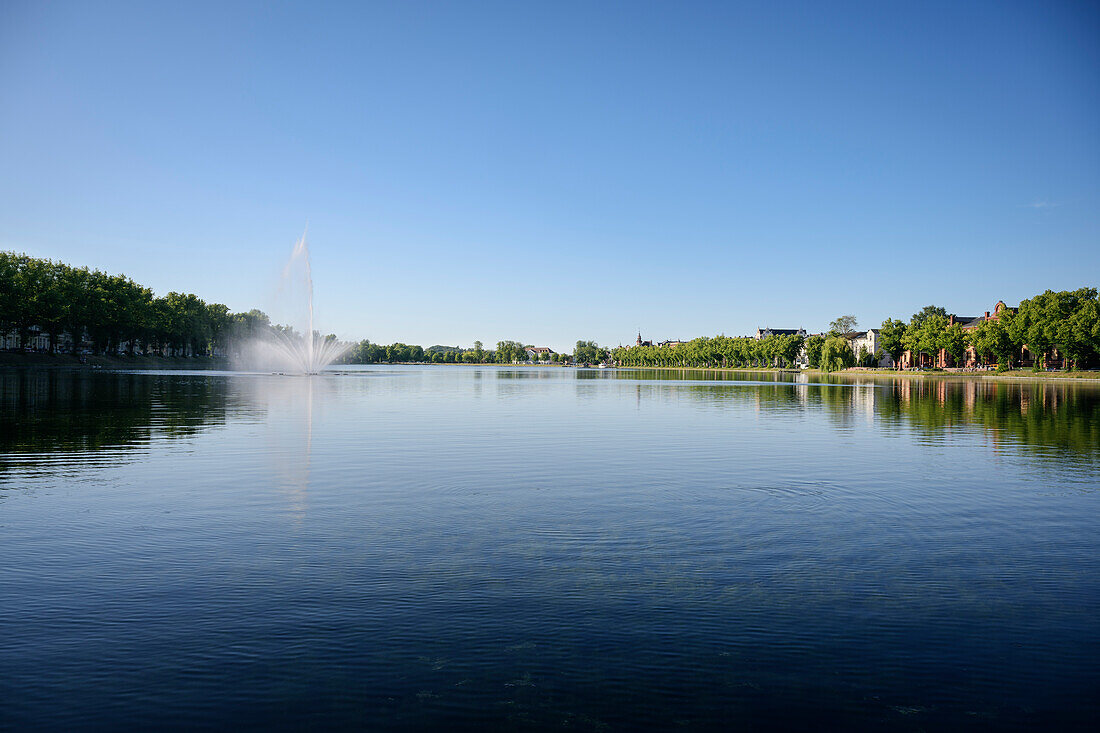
(1025, 375)
(1017, 375)
(111, 361)
(68, 361)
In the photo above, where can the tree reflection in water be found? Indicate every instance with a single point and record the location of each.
(60, 410)
(1031, 414)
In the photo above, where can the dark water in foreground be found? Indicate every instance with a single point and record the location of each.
(546, 549)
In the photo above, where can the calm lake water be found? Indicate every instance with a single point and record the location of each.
(499, 548)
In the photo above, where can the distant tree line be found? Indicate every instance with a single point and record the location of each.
(716, 351)
(506, 352)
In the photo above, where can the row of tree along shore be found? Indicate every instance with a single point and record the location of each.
(57, 308)
(506, 352)
(1053, 329)
(52, 307)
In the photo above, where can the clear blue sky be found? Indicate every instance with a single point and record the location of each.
(552, 171)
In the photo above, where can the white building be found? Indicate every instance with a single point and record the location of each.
(36, 340)
(870, 341)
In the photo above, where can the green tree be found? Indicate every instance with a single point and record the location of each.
(510, 352)
(1046, 321)
(955, 341)
(927, 312)
(31, 280)
(991, 338)
(843, 324)
(891, 338)
(11, 293)
(1082, 339)
(48, 305)
(926, 336)
(836, 354)
(814, 345)
(787, 348)
(219, 322)
(589, 352)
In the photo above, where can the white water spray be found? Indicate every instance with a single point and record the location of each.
(301, 252)
(283, 348)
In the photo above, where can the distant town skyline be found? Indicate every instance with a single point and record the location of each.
(561, 172)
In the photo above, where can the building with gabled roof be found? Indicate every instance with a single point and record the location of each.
(763, 333)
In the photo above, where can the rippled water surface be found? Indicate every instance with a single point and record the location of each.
(495, 548)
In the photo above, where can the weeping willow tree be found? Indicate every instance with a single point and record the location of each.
(836, 354)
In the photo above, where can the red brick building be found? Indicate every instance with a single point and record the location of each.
(971, 360)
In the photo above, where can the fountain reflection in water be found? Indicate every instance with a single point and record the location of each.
(287, 348)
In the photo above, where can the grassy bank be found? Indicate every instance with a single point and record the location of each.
(1015, 374)
(741, 370)
(15, 359)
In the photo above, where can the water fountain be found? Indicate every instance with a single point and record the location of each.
(285, 348)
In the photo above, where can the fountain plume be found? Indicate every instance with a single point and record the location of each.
(283, 348)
